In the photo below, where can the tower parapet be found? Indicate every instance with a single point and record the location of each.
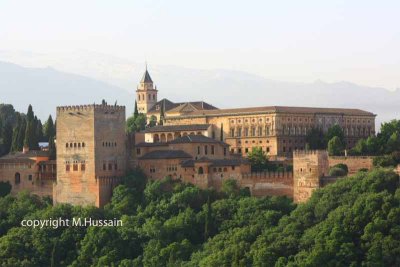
(308, 169)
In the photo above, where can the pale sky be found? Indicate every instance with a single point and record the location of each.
(303, 41)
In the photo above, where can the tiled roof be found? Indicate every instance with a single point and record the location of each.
(169, 105)
(215, 162)
(26, 155)
(145, 144)
(281, 109)
(146, 78)
(172, 128)
(166, 154)
(196, 139)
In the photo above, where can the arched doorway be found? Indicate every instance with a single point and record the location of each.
(169, 137)
(156, 138)
(17, 177)
(201, 171)
(163, 138)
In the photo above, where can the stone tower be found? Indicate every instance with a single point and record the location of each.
(308, 169)
(146, 93)
(91, 153)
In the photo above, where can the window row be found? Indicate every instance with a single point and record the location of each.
(254, 120)
(76, 166)
(74, 145)
(149, 97)
(253, 131)
(17, 178)
(109, 144)
(109, 166)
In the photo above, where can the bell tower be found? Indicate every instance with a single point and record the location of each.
(146, 93)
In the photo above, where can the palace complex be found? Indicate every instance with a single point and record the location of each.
(192, 141)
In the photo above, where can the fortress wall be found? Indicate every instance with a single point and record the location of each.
(354, 163)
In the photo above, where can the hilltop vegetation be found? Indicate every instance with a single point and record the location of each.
(353, 222)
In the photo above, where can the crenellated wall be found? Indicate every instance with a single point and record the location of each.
(354, 163)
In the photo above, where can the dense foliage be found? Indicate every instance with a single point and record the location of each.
(18, 130)
(353, 222)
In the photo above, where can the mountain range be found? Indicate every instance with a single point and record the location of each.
(83, 77)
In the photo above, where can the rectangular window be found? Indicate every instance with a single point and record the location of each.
(232, 132)
(138, 151)
(212, 150)
(239, 132)
(224, 151)
(67, 167)
(253, 131)
(104, 167)
(30, 177)
(83, 167)
(246, 132)
(75, 167)
(205, 150)
(267, 149)
(246, 150)
(115, 166)
(260, 131)
(109, 166)
(198, 150)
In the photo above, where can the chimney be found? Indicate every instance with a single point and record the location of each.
(25, 149)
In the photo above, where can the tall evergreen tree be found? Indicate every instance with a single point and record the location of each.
(21, 135)
(222, 133)
(49, 129)
(39, 131)
(7, 135)
(52, 148)
(136, 112)
(162, 113)
(14, 144)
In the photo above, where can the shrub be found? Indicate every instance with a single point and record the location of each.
(335, 171)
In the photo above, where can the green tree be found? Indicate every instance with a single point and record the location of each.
(52, 148)
(258, 159)
(315, 139)
(7, 136)
(49, 129)
(333, 131)
(153, 121)
(136, 111)
(136, 124)
(221, 135)
(335, 146)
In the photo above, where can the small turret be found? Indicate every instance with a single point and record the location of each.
(146, 93)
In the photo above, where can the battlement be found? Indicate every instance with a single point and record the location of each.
(94, 107)
(268, 175)
(303, 153)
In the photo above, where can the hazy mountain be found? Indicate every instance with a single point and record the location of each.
(222, 88)
(47, 88)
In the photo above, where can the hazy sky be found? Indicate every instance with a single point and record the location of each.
(305, 40)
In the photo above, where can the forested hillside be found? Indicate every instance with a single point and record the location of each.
(354, 222)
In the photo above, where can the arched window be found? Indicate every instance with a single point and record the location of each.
(163, 138)
(17, 178)
(156, 138)
(74, 144)
(154, 97)
(201, 171)
(66, 145)
(83, 144)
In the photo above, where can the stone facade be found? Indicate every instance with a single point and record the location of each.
(29, 170)
(354, 163)
(91, 153)
(278, 130)
(309, 167)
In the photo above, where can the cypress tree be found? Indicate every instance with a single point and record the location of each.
(222, 133)
(136, 112)
(14, 144)
(49, 129)
(52, 148)
(162, 113)
(7, 134)
(21, 135)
